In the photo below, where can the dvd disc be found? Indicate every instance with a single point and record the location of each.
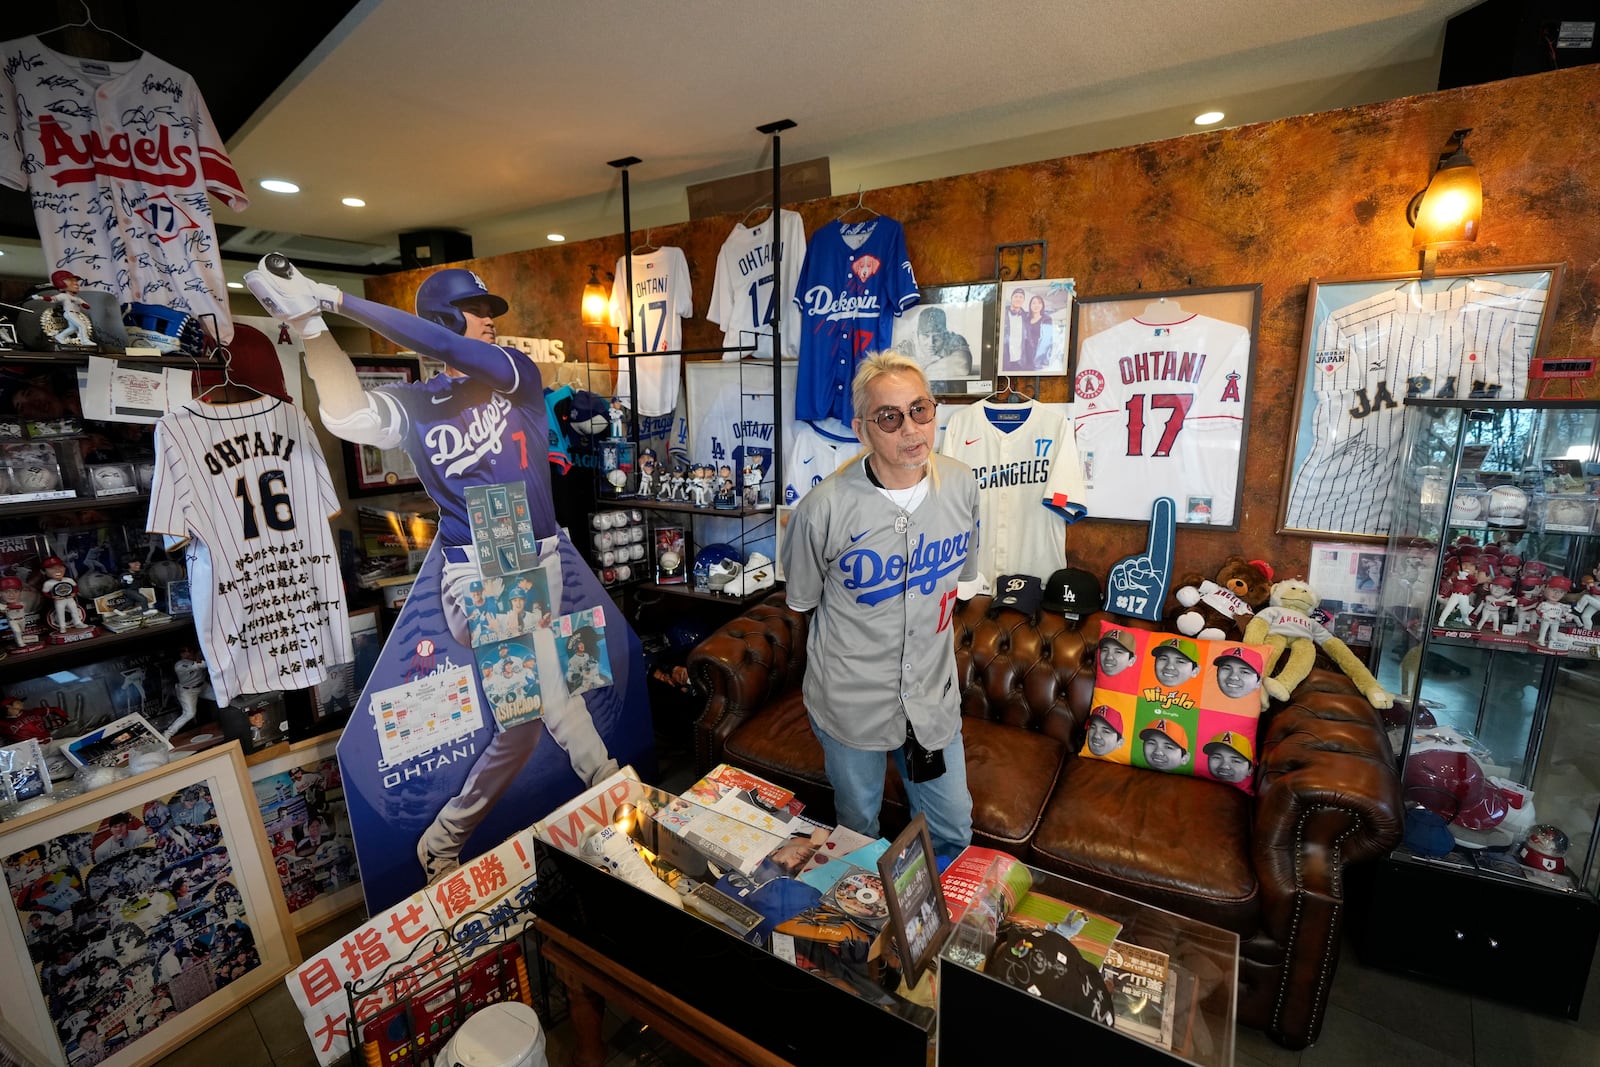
(861, 895)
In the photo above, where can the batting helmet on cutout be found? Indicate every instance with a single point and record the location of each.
(440, 296)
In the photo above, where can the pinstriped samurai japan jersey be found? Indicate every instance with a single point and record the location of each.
(248, 484)
(1475, 340)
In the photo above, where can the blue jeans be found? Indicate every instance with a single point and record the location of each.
(857, 779)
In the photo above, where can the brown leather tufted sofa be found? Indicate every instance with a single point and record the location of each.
(1269, 867)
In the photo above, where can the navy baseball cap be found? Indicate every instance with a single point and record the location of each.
(1073, 592)
(1020, 592)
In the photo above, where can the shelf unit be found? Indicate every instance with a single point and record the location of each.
(632, 355)
(1495, 731)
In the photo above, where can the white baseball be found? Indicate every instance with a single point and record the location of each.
(1566, 513)
(617, 478)
(607, 558)
(604, 539)
(635, 553)
(110, 478)
(1467, 506)
(599, 521)
(624, 572)
(34, 479)
(619, 518)
(670, 560)
(636, 515)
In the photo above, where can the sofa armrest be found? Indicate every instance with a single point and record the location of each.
(1329, 794)
(746, 664)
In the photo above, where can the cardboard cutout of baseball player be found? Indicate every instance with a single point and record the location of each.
(483, 423)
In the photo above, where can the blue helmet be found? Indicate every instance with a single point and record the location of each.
(440, 294)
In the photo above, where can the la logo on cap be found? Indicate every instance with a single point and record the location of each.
(1068, 595)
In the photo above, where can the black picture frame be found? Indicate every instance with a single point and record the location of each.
(919, 918)
(370, 471)
(967, 310)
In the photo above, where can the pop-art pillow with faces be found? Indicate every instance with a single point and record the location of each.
(1169, 703)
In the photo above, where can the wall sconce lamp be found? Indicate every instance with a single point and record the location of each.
(1447, 212)
(596, 301)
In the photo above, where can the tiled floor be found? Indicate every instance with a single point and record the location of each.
(1374, 1019)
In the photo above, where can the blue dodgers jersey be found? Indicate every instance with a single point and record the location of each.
(465, 433)
(848, 299)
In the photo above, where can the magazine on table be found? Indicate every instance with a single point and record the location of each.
(985, 888)
(1140, 980)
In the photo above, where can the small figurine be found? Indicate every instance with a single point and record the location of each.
(751, 477)
(1553, 612)
(16, 609)
(1457, 598)
(67, 619)
(1500, 596)
(614, 415)
(28, 724)
(702, 485)
(647, 472)
(1532, 587)
(725, 497)
(194, 682)
(1589, 602)
(671, 486)
(132, 582)
(74, 310)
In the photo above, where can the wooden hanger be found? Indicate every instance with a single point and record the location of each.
(1162, 311)
(859, 205)
(89, 23)
(640, 250)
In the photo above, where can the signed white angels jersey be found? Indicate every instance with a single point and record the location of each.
(117, 159)
(1028, 483)
(249, 485)
(661, 301)
(1158, 411)
(1472, 340)
(744, 290)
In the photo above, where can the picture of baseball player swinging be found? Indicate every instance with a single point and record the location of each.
(482, 423)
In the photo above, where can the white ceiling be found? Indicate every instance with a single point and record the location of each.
(497, 117)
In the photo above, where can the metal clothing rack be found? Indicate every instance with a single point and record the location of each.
(774, 130)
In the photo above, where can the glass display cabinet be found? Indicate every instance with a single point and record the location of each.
(1487, 633)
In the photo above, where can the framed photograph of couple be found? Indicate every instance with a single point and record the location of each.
(1161, 386)
(951, 333)
(1035, 326)
(142, 913)
(1369, 345)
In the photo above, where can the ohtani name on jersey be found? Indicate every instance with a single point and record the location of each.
(1164, 366)
(880, 579)
(647, 286)
(753, 428)
(456, 448)
(232, 451)
(822, 303)
(1417, 385)
(1022, 472)
(757, 257)
(152, 161)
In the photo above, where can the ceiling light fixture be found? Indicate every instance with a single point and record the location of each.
(1208, 118)
(596, 304)
(556, 237)
(1447, 212)
(278, 185)
(353, 201)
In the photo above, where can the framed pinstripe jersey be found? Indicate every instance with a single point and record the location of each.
(246, 484)
(1369, 345)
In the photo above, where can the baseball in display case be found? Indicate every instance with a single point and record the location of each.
(671, 555)
(112, 479)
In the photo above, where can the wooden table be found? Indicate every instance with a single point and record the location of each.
(592, 980)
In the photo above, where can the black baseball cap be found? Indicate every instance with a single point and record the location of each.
(1019, 591)
(1073, 592)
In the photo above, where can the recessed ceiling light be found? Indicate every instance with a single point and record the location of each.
(236, 285)
(353, 201)
(558, 237)
(1209, 118)
(277, 185)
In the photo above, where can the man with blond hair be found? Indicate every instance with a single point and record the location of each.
(874, 552)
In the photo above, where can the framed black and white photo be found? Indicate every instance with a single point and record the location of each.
(1035, 326)
(1372, 343)
(143, 912)
(1161, 401)
(951, 333)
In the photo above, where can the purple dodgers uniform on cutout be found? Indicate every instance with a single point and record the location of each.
(856, 280)
(473, 430)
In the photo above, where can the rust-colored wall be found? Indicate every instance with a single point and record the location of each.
(1278, 203)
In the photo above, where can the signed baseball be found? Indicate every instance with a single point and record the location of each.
(670, 560)
(1466, 507)
(1567, 513)
(110, 477)
(35, 479)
